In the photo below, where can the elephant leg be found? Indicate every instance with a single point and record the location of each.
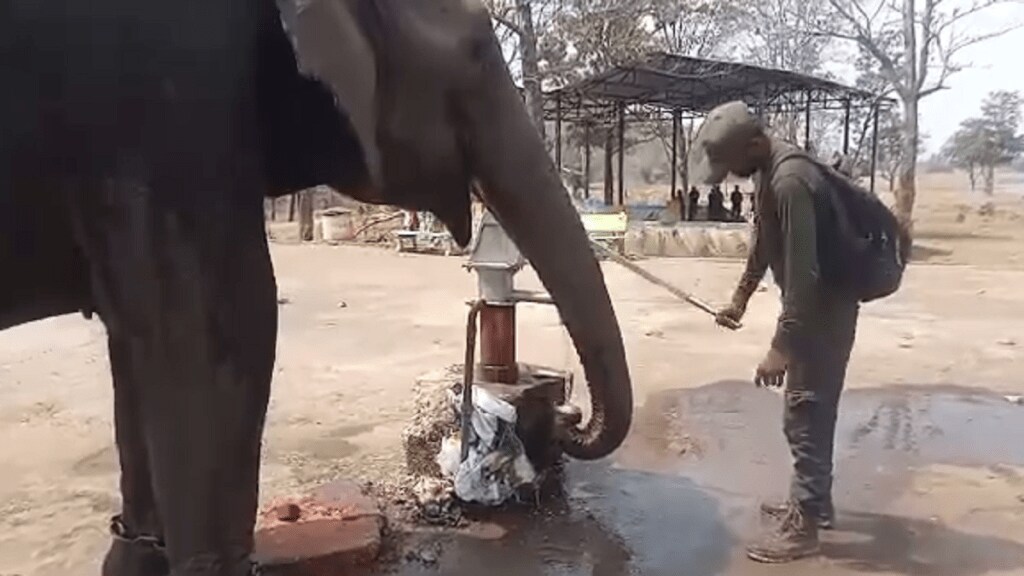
(205, 424)
(137, 547)
(186, 289)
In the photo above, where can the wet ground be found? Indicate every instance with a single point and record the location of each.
(929, 486)
(680, 497)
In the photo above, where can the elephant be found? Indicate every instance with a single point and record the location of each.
(137, 143)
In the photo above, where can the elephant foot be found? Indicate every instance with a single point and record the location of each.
(133, 554)
(217, 565)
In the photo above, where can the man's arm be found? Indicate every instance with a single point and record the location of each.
(799, 244)
(755, 269)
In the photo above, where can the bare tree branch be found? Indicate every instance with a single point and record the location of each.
(864, 36)
(927, 40)
(504, 20)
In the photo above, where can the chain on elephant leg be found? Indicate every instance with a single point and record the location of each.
(133, 554)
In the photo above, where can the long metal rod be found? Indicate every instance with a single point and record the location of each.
(586, 160)
(531, 297)
(467, 377)
(874, 148)
(674, 290)
(846, 130)
(622, 153)
(558, 133)
(807, 123)
(675, 153)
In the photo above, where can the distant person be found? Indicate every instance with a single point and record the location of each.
(736, 202)
(841, 164)
(674, 210)
(410, 220)
(716, 204)
(692, 204)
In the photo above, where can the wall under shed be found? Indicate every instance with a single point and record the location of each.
(689, 239)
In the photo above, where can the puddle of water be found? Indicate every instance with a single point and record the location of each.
(932, 427)
(683, 492)
(618, 523)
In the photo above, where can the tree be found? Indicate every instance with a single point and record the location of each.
(916, 44)
(781, 34)
(518, 18)
(869, 79)
(592, 36)
(982, 144)
(698, 28)
(890, 145)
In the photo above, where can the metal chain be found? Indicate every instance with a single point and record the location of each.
(119, 531)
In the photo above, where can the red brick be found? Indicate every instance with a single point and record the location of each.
(319, 547)
(339, 528)
(348, 497)
(288, 512)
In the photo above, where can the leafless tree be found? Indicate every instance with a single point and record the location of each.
(916, 44)
(781, 34)
(698, 28)
(517, 22)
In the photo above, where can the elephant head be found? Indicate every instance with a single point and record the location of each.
(427, 97)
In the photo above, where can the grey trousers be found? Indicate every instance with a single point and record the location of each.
(814, 383)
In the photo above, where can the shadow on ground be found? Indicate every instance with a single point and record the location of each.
(885, 543)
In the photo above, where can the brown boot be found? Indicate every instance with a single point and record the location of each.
(826, 518)
(794, 536)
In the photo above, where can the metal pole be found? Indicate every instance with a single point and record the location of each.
(807, 123)
(558, 133)
(687, 144)
(674, 290)
(676, 119)
(846, 129)
(874, 145)
(622, 153)
(586, 158)
(497, 333)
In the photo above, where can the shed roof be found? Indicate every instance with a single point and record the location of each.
(694, 86)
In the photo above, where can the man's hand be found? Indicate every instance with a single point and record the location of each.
(731, 315)
(771, 372)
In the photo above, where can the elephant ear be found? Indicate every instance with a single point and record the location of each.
(331, 47)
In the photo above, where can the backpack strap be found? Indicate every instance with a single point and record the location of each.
(828, 175)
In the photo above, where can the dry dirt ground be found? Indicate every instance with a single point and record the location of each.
(930, 452)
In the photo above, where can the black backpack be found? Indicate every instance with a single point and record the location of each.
(861, 246)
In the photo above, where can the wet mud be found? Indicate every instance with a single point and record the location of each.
(680, 496)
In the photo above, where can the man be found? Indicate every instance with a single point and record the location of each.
(841, 163)
(815, 330)
(736, 203)
(716, 204)
(694, 202)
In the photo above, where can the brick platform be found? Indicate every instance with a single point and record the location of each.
(338, 528)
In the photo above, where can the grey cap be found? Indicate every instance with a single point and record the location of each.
(725, 126)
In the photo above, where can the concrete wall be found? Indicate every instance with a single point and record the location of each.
(689, 240)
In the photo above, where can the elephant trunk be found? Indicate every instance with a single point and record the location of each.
(525, 193)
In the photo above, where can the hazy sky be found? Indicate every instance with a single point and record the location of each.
(998, 64)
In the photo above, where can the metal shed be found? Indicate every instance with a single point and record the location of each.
(662, 86)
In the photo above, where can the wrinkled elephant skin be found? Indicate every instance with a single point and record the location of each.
(137, 141)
